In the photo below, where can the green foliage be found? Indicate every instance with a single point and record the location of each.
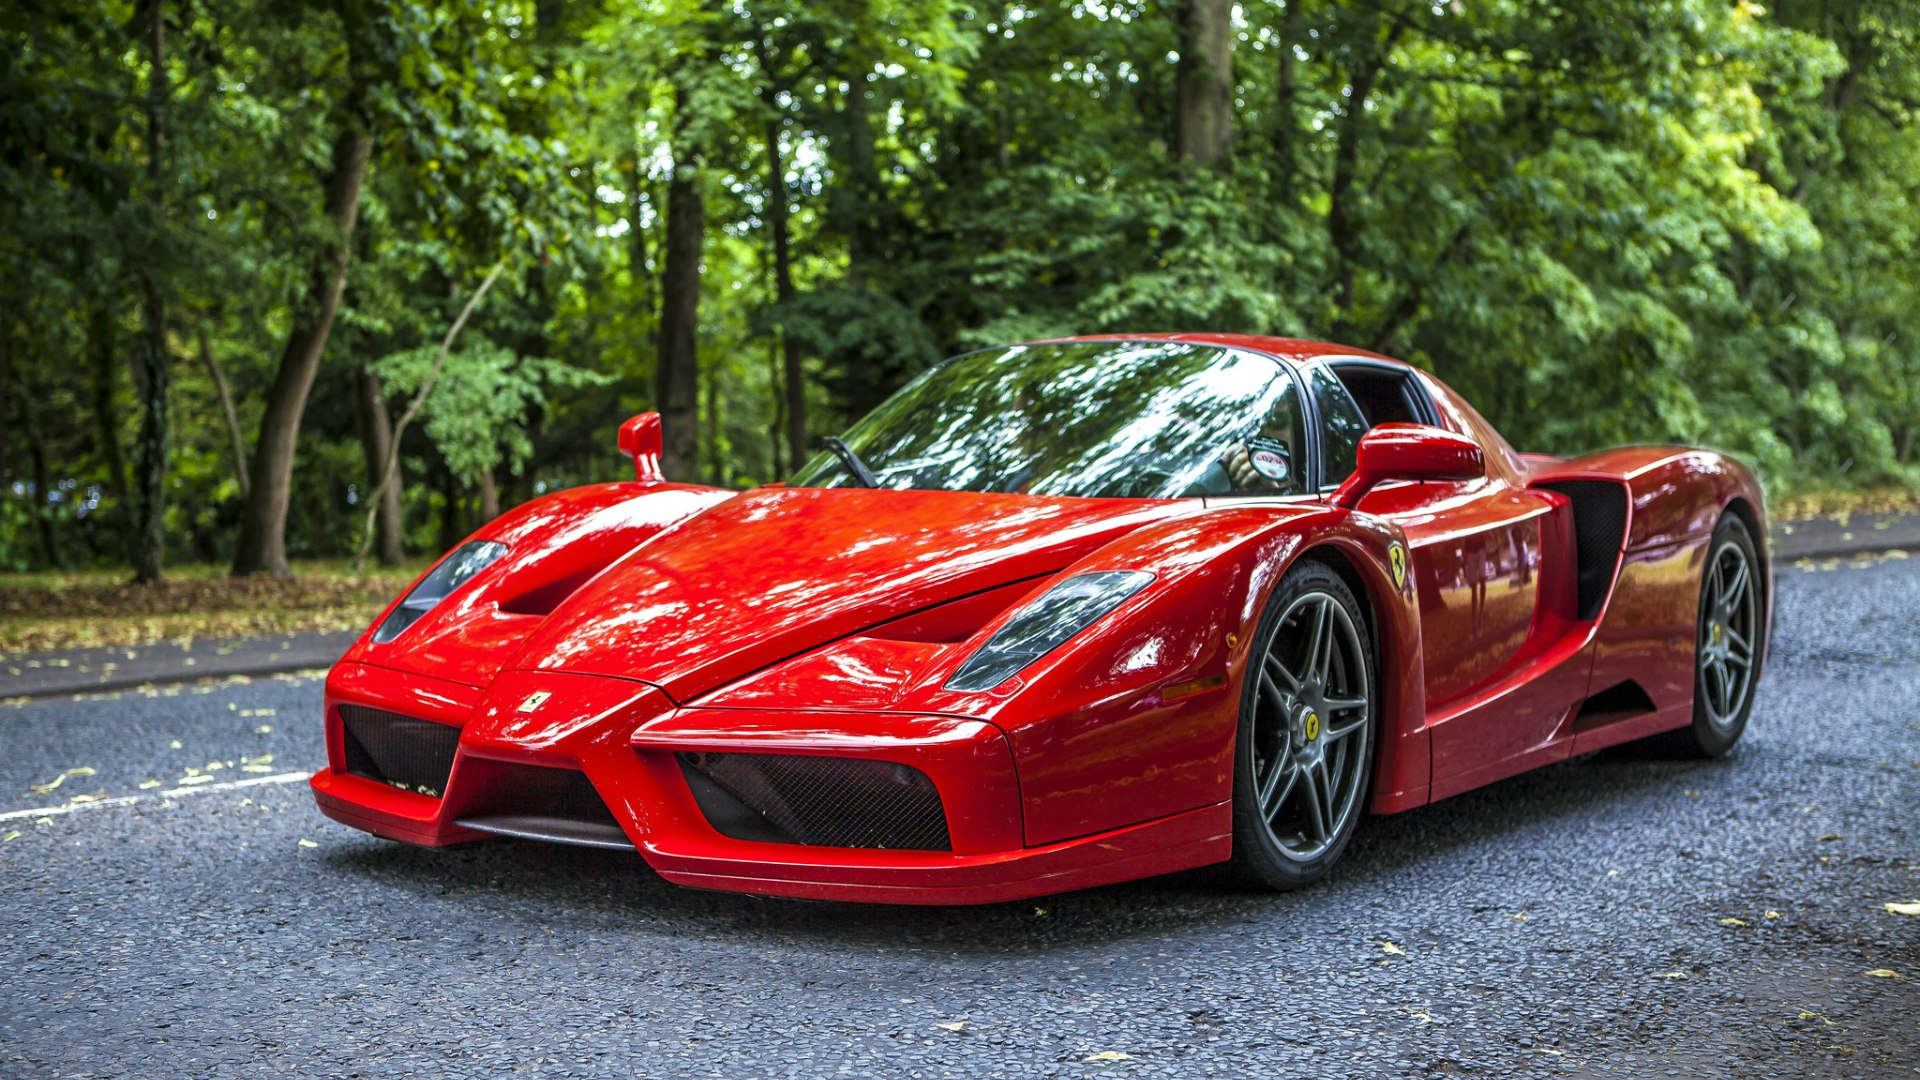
(1605, 222)
(477, 411)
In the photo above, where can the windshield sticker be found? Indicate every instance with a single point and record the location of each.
(1269, 458)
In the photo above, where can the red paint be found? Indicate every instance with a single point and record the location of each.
(657, 618)
(1409, 452)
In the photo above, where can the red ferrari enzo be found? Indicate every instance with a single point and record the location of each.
(1057, 615)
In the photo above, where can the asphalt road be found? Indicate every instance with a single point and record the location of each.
(1616, 915)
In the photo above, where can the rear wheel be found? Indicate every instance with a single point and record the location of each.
(1728, 643)
(1303, 757)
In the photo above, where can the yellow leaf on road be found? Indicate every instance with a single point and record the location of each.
(42, 789)
(308, 843)
(1391, 949)
(202, 778)
(956, 1027)
(1884, 973)
(14, 835)
(1731, 921)
(1912, 907)
(1672, 975)
(1108, 1055)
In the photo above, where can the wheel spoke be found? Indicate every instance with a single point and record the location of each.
(1335, 734)
(1736, 588)
(1323, 787)
(1309, 784)
(1741, 650)
(1273, 794)
(1274, 695)
(1335, 705)
(1320, 648)
(1278, 670)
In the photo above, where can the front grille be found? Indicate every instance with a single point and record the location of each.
(820, 801)
(413, 755)
(537, 802)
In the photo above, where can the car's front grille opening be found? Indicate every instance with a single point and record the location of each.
(537, 802)
(817, 800)
(410, 754)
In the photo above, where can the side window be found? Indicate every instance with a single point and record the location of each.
(1341, 426)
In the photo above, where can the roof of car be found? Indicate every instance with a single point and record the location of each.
(1298, 350)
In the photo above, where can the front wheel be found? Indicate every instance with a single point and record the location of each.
(1304, 752)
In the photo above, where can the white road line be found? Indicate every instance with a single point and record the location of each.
(170, 793)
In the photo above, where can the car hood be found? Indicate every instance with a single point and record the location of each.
(774, 572)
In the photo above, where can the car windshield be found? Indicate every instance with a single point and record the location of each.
(1142, 419)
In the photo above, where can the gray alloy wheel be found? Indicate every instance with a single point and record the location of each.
(1729, 642)
(1305, 749)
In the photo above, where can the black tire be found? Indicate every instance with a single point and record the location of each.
(1721, 708)
(1268, 853)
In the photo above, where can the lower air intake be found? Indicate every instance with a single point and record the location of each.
(819, 801)
(413, 755)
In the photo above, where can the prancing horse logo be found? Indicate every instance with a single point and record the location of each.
(533, 701)
(1397, 560)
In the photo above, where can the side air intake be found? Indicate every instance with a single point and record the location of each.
(1600, 532)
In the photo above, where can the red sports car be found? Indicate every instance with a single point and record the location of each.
(1056, 615)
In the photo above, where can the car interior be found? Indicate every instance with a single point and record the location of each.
(1385, 395)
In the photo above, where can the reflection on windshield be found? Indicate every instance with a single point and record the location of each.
(1144, 419)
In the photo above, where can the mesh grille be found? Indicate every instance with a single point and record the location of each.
(413, 755)
(536, 802)
(1599, 530)
(821, 801)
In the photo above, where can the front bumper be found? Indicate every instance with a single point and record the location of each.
(623, 736)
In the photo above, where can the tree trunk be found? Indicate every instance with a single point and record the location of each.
(263, 524)
(1203, 83)
(792, 409)
(1343, 231)
(376, 441)
(148, 547)
(105, 369)
(489, 495)
(677, 374)
(237, 442)
(1285, 94)
(793, 378)
(23, 401)
(450, 529)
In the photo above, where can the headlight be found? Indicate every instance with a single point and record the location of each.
(467, 560)
(1045, 625)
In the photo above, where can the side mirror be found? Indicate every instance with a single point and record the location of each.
(640, 440)
(1410, 452)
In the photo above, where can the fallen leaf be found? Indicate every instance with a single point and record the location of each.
(1806, 1014)
(1691, 793)
(263, 729)
(1672, 975)
(149, 785)
(43, 821)
(174, 745)
(42, 789)
(308, 843)
(956, 1027)
(14, 835)
(1830, 836)
(1108, 1055)
(1731, 921)
(1391, 949)
(1910, 908)
(1772, 914)
(1422, 1015)
(189, 781)
(1520, 916)
(1884, 973)
(1039, 912)
(256, 768)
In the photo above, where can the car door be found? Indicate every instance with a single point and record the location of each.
(1475, 550)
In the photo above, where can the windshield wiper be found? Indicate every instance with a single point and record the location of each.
(852, 461)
